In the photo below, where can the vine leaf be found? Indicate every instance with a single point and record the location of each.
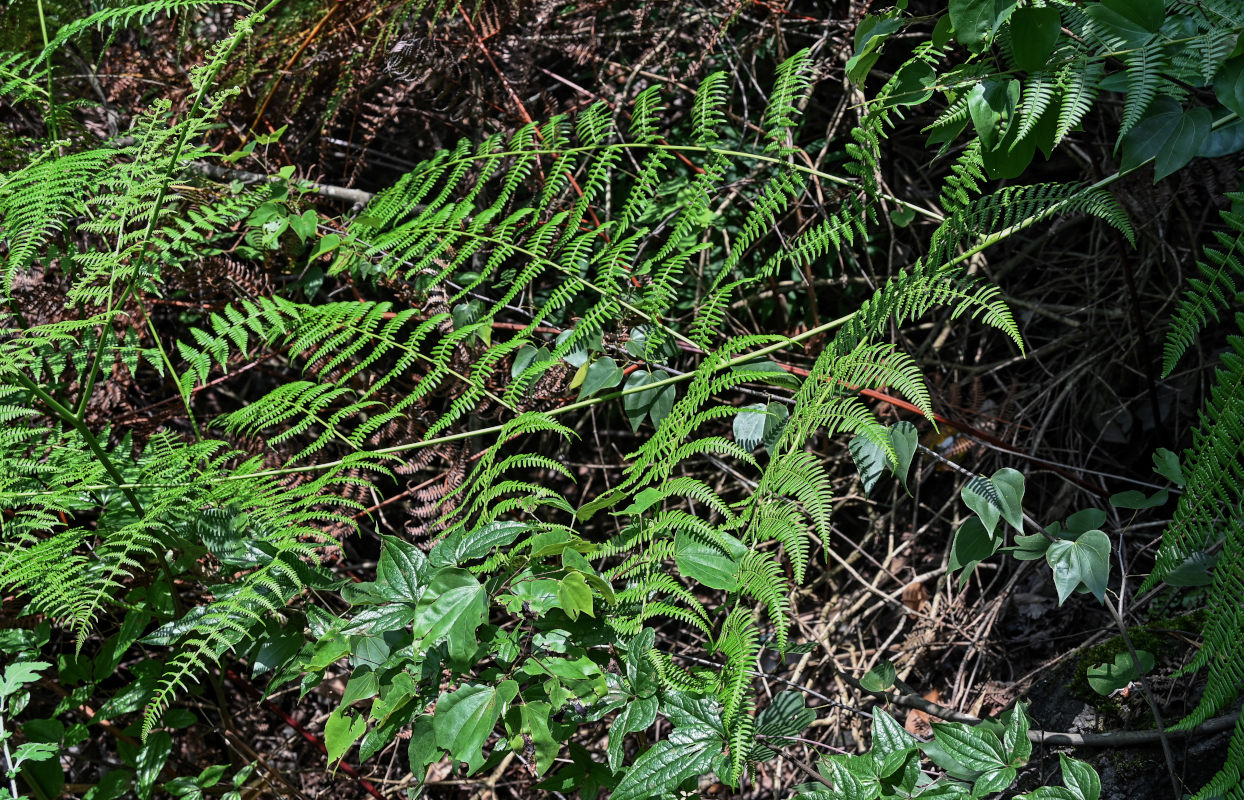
(464, 719)
(687, 753)
(1229, 85)
(870, 460)
(1108, 678)
(1084, 560)
(635, 716)
(999, 497)
(714, 566)
(904, 439)
(603, 373)
(973, 544)
(340, 732)
(879, 678)
(1034, 32)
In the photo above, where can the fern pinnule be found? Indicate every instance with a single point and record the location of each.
(1219, 287)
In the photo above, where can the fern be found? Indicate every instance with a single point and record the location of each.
(1211, 509)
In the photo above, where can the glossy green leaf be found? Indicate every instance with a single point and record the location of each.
(1080, 778)
(1148, 14)
(972, 748)
(709, 564)
(879, 678)
(635, 716)
(463, 721)
(1195, 570)
(662, 767)
(904, 439)
(870, 460)
(401, 569)
(574, 596)
(1148, 136)
(1136, 500)
(1085, 560)
(1016, 746)
(1229, 85)
(150, 762)
(454, 606)
(975, 20)
(1166, 464)
(785, 716)
(1183, 143)
(972, 545)
(1107, 678)
(1034, 31)
(870, 35)
(603, 373)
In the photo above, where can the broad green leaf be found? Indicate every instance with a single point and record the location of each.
(534, 724)
(1229, 85)
(904, 439)
(662, 767)
(1148, 14)
(1080, 778)
(527, 356)
(980, 495)
(1034, 31)
(1223, 141)
(1166, 464)
(1107, 678)
(460, 547)
(1016, 745)
(1049, 793)
(709, 564)
(975, 20)
(879, 678)
(464, 719)
(1184, 142)
(1148, 136)
(1083, 560)
(574, 596)
(401, 570)
(973, 544)
(888, 736)
(870, 36)
(1136, 500)
(639, 670)
(993, 781)
(1132, 33)
(870, 460)
(914, 80)
(422, 750)
(20, 673)
(1009, 485)
(635, 716)
(637, 404)
(150, 762)
(972, 748)
(749, 425)
(454, 606)
(603, 373)
(1085, 520)
(991, 103)
(576, 357)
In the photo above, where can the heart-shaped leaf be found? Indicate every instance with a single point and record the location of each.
(1084, 560)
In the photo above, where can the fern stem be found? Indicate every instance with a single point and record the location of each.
(680, 148)
(217, 64)
(51, 118)
(182, 390)
(96, 448)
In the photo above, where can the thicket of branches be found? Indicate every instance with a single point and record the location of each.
(665, 400)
